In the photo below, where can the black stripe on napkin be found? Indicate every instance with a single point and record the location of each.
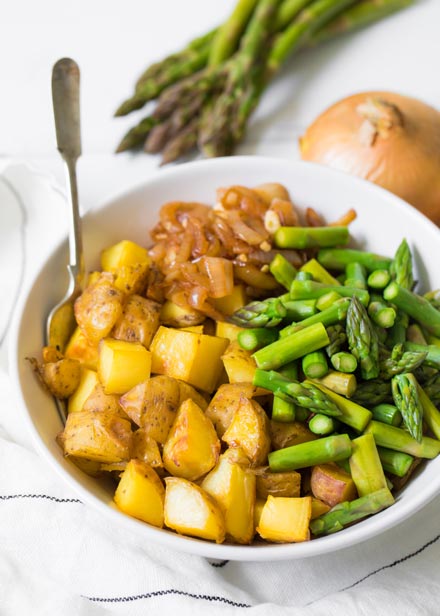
(6, 497)
(169, 591)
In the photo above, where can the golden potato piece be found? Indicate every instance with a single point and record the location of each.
(138, 322)
(192, 447)
(249, 429)
(189, 392)
(122, 365)
(146, 449)
(318, 508)
(87, 383)
(132, 279)
(230, 303)
(227, 330)
(233, 487)
(331, 484)
(141, 494)
(98, 401)
(98, 308)
(277, 484)
(176, 316)
(258, 510)
(153, 404)
(81, 349)
(240, 366)
(103, 437)
(61, 377)
(225, 402)
(122, 254)
(189, 357)
(285, 520)
(287, 434)
(189, 510)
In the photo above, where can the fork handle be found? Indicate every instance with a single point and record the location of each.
(65, 97)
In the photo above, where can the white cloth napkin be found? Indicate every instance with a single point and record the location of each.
(59, 556)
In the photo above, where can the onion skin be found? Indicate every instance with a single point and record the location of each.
(387, 138)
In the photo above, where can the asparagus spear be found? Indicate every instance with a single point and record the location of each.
(431, 414)
(319, 273)
(395, 462)
(356, 275)
(414, 333)
(253, 339)
(328, 317)
(310, 237)
(137, 135)
(300, 309)
(401, 361)
(352, 414)
(314, 365)
(406, 398)
(322, 425)
(415, 306)
(432, 352)
(347, 512)
(291, 347)
(302, 276)
(379, 278)
(401, 266)
(365, 465)
(267, 313)
(387, 413)
(360, 15)
(339, 382)
(432, 388)
(339, 258)
(309, 289)
(282, 270)
(400, 440)
(227, 37)
(328, 449)
(283, 410)
(362, 339)
(370, 393)
(306, 395)
(337, 336)
(397, 333)
(344, 362)
(381, 313)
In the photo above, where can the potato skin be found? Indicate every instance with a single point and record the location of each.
(103, 437)
(278, 484)
(61, 377)
(98, 308)
(225, 402)
(332, 484)
(287, 434)
(138, 322)
(249, 429)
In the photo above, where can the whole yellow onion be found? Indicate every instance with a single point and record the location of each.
(387, 138)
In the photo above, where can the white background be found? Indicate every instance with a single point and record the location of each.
(113, 41)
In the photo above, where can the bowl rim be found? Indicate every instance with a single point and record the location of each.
(260, 553)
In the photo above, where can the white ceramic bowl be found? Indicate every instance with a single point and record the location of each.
(383, 220)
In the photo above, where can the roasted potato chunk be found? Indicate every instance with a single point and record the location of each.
(98, 308)
(122, 365)
(153, 405)
(87, 383)
(98, 401)
(176, 316)
(249, 429)
(189, 510)
(61, 377)
(81, 349)
(285, 520)
(138, 322)
(232, 302)
(132, 279)
(182, 355)
(287, 434)
(331, 484)
(232, 486)
(103, 437)
(122, 254)
(277, 484)
(192, 447)
(141, 494)
(227, 330)
(240, 366)
(225, 402)
(146, 449)
(188, 392)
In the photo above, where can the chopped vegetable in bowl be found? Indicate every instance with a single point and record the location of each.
(251, 374)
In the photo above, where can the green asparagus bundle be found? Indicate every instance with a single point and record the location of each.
(207, 91)
(362, 339)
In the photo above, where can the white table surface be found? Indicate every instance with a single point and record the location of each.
(113, 41)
